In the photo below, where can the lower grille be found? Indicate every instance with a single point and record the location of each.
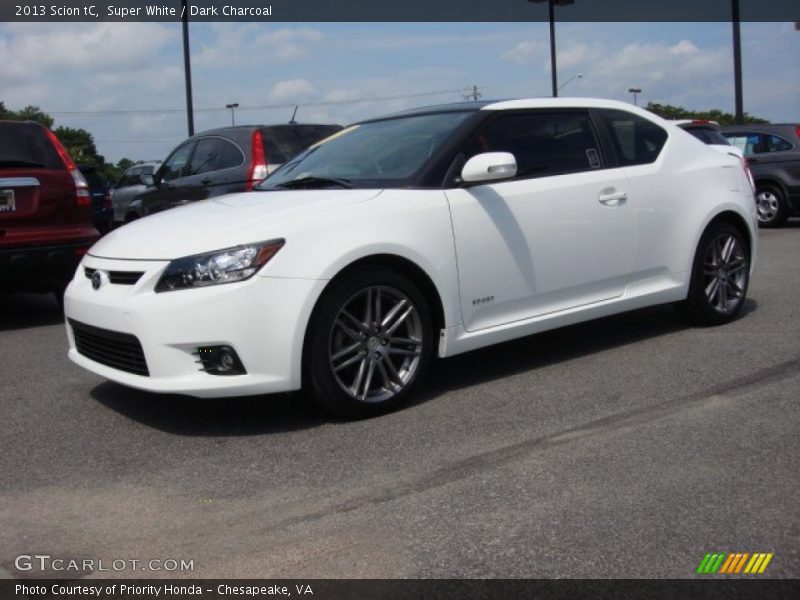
(110, 348)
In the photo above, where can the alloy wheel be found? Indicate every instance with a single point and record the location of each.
(725, 271)
(375, 344)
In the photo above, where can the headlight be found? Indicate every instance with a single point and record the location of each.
(222, 266)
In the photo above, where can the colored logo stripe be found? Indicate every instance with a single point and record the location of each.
(734, 562)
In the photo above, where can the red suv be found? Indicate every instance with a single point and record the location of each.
(45, 210)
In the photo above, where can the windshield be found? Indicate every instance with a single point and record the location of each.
(376, 154)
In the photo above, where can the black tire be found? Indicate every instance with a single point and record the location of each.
(380, 372)
(720, 276)
(771, 205)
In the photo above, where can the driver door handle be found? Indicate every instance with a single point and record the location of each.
(206, 181)
(612, 197)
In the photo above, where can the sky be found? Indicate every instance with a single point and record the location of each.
(342, 72)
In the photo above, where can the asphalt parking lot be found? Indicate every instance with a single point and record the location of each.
(625, 447)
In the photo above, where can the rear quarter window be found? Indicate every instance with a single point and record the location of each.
(776, 143)
(26, 145)
(636, 141)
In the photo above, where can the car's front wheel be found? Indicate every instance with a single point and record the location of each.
(369, 342)
(771, 208)
(720, 276)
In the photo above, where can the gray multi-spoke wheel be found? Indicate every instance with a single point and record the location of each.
(368, 343)
(375, 344)
(720, 275)
(725, 273)
(771, 208)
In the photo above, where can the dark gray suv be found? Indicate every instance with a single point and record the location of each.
(222, 161)
(773, 152)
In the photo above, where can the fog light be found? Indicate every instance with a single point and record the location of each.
(220, 360)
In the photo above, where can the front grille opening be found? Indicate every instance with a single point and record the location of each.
(113, 349)
(117, 277)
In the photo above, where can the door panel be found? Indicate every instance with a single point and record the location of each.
(530, 247)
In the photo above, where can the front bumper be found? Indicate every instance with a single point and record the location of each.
(263, 319)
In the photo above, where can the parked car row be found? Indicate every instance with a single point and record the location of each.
(772, 153)
(216, 162)
(52, 210)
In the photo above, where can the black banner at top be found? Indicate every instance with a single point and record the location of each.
(396, 10)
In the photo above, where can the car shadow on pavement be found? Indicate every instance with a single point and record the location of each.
(188, 416)
(21, 311)
(558, 345)
(275, 413)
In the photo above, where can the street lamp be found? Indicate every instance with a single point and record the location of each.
(233, 108)
(552, 16)
(635, 92)
(573, 78)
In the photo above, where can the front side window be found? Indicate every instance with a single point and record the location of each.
(385, 153)
(543, 143)
(214, 154)
(636, 140)
(175, 165)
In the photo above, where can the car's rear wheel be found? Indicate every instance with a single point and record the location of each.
(369, 342)
(720, 276)
(771, 207)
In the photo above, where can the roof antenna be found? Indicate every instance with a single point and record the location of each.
(294, 114)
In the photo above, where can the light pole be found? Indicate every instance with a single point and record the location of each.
(635, 92)
(187, 71)
(737, 63)
(233, 108)
(552, 18)
(573, 78)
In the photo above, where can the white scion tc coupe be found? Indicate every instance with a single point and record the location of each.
(428, 233)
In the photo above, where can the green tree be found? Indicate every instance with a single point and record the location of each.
(80, 145)
(123, 164)
(668, 111)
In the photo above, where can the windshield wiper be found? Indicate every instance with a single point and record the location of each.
(312, 182)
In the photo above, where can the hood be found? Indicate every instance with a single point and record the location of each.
(224, 222)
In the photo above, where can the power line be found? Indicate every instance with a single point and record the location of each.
(162, 111)
(472, 93)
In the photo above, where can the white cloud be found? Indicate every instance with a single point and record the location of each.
(230, 42)
(291, 90)
(525, 52)
(288, 44)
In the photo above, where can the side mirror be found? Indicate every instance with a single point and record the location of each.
(147, 180)
(489, 166)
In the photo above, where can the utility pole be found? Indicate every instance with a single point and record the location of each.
(187, 71)
(737, 63)
(472, 93)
